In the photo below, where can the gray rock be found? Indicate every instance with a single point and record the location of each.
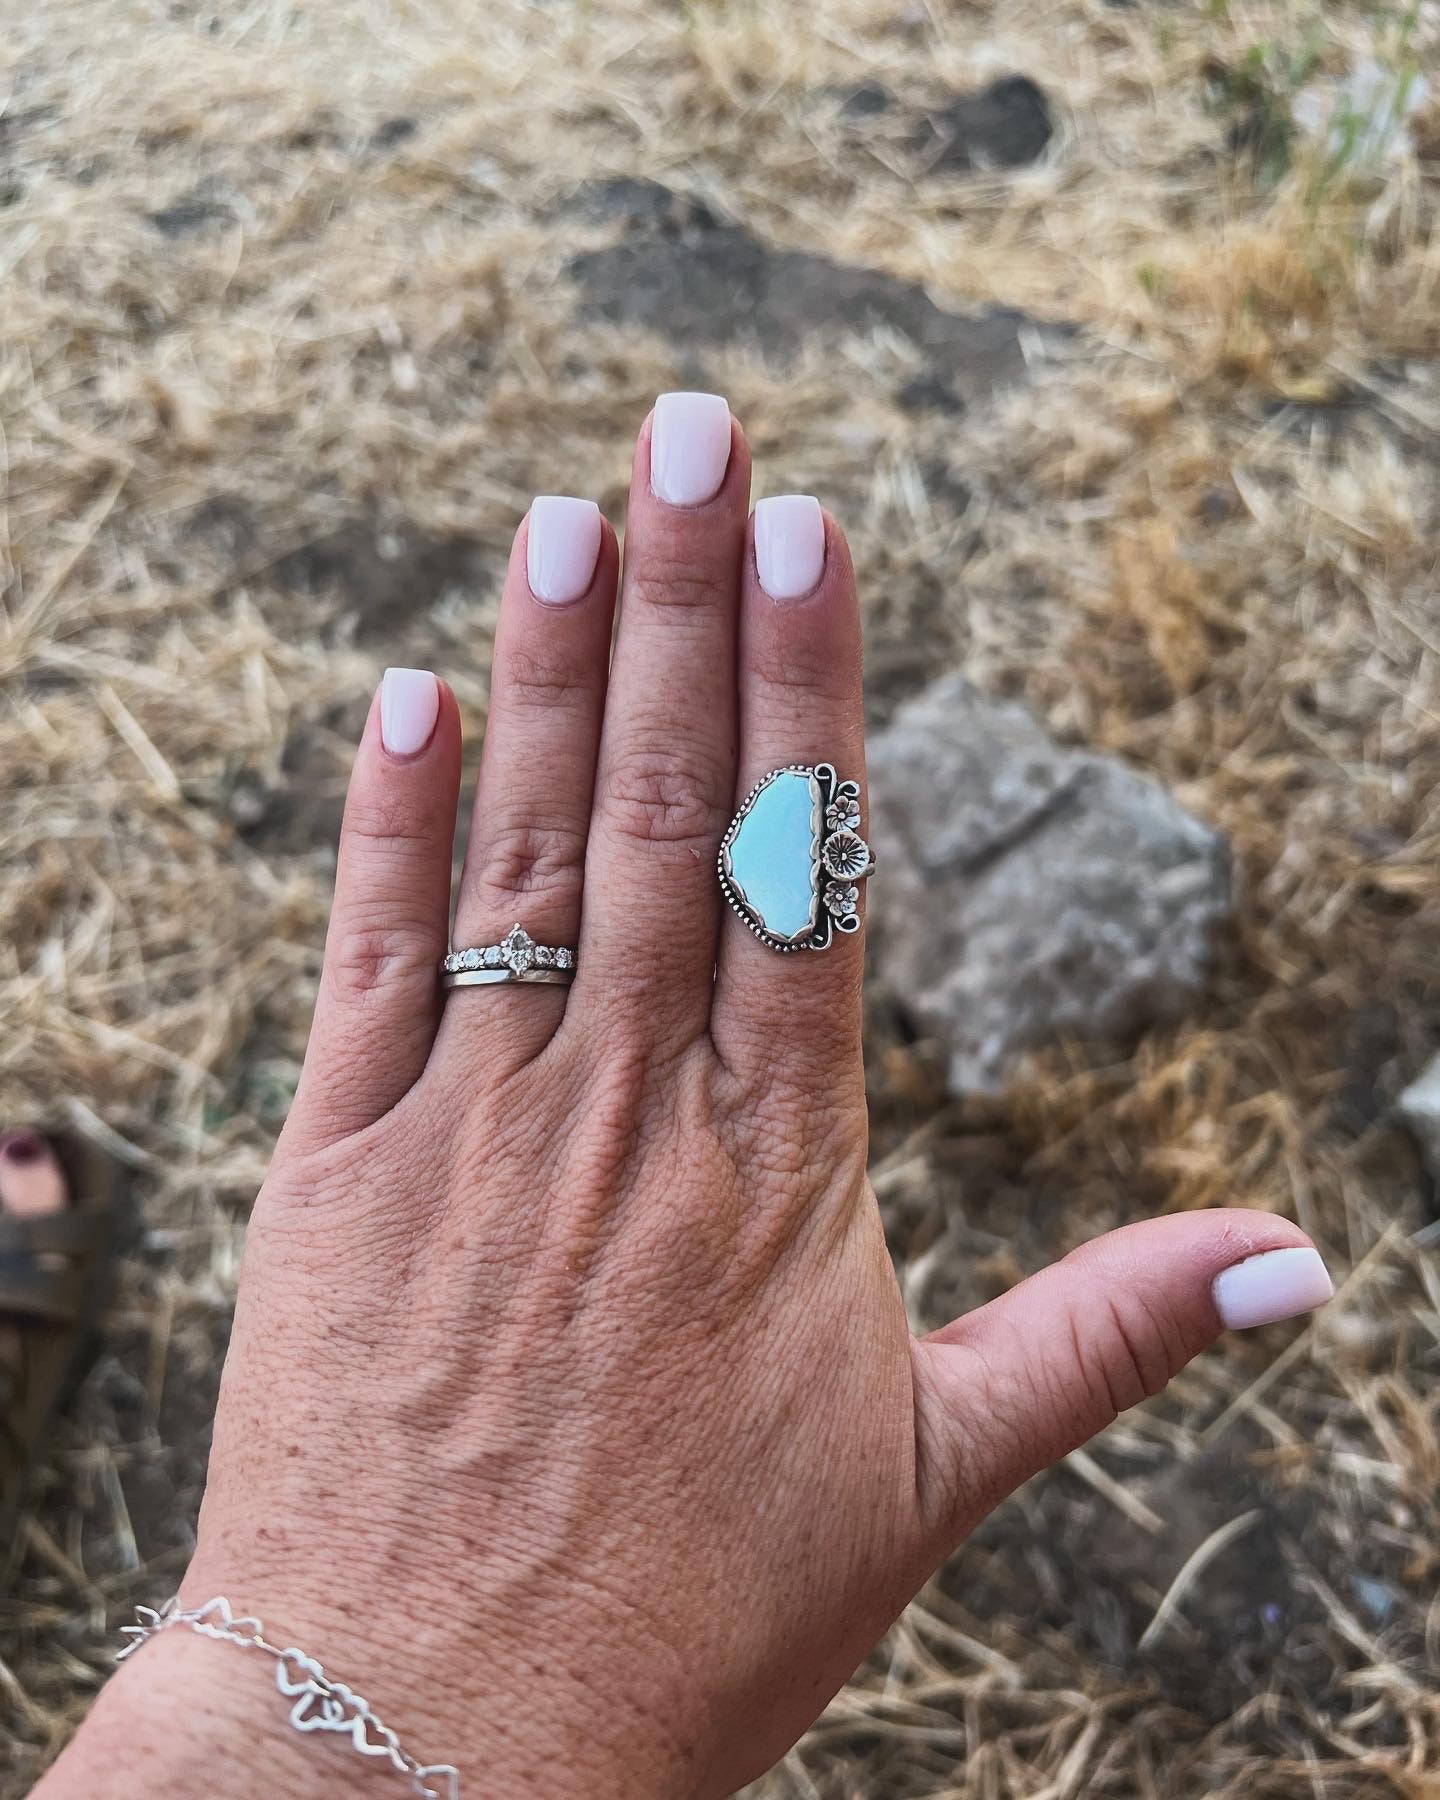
(1003, 126)
(1027, 891)
(641, 204)
(871, 100)
(1419, 1107)
(719, 284)
(189, 215)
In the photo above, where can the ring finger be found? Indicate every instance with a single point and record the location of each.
(794, 1020)
(526, 857)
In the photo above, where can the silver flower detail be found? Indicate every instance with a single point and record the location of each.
(845, 855)
(843, 814)
(842, 898)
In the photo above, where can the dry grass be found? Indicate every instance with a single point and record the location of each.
(1205, 541)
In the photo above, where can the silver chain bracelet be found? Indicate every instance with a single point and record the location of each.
(318, 1702)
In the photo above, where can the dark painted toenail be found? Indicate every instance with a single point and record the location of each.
(23, 1147)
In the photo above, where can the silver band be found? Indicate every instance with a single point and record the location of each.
(501, 977)
(517, 957)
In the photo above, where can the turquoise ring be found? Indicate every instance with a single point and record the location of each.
(792, 859)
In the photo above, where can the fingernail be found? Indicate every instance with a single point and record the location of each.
(409, 707)
(789, 545)
(23, 1147)
(562, 546)
(689, 447)
(1277, 1285)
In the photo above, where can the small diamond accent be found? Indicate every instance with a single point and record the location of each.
(516, 951)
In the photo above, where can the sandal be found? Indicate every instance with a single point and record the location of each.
(56, 1275)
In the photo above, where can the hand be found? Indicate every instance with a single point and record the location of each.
(571, 1410)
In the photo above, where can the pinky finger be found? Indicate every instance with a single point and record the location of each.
(379, 1003)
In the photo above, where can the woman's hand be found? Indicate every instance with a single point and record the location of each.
(571, 1411)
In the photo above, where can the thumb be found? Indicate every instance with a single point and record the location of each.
(1017, 1384)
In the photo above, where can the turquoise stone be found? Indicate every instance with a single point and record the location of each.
(773, 865)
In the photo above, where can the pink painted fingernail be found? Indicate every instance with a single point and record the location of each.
(689, 447)
(1277, 1285)
(562, 546)
(409, 707)
(789, 545)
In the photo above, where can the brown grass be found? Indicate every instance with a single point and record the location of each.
(1203, 540)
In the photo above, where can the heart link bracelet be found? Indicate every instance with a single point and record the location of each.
(318, 1703)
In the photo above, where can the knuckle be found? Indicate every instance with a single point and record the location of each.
(1131, 1357)
(783, 671)
(661, 795)
(370, 959)
(676, 579)
(383, 822)
(530, 857)
(532, 683)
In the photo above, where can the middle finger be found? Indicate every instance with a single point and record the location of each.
(667, 754)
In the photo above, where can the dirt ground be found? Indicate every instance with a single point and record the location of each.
(302, 302)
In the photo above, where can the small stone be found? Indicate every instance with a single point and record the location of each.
(471, 959)
(494, 956)
(545, 956)
(1004, 126)
(771, 870)
(564, 959)
(391, 132)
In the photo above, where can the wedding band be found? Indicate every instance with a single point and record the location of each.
(792, 860)
(517, 957)
(463, 978)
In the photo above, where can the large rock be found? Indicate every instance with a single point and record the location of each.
(1026, 891)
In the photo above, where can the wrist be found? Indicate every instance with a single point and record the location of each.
(182, 1709)
(534, 1719)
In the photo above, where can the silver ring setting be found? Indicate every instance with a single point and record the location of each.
(517, 957)
(792, 859)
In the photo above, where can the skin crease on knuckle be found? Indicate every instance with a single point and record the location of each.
(538, 684)
(366, 958)
(660, 796)
(527, 858)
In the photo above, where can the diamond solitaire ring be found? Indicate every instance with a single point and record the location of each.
(517, 957)
(793, 858)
